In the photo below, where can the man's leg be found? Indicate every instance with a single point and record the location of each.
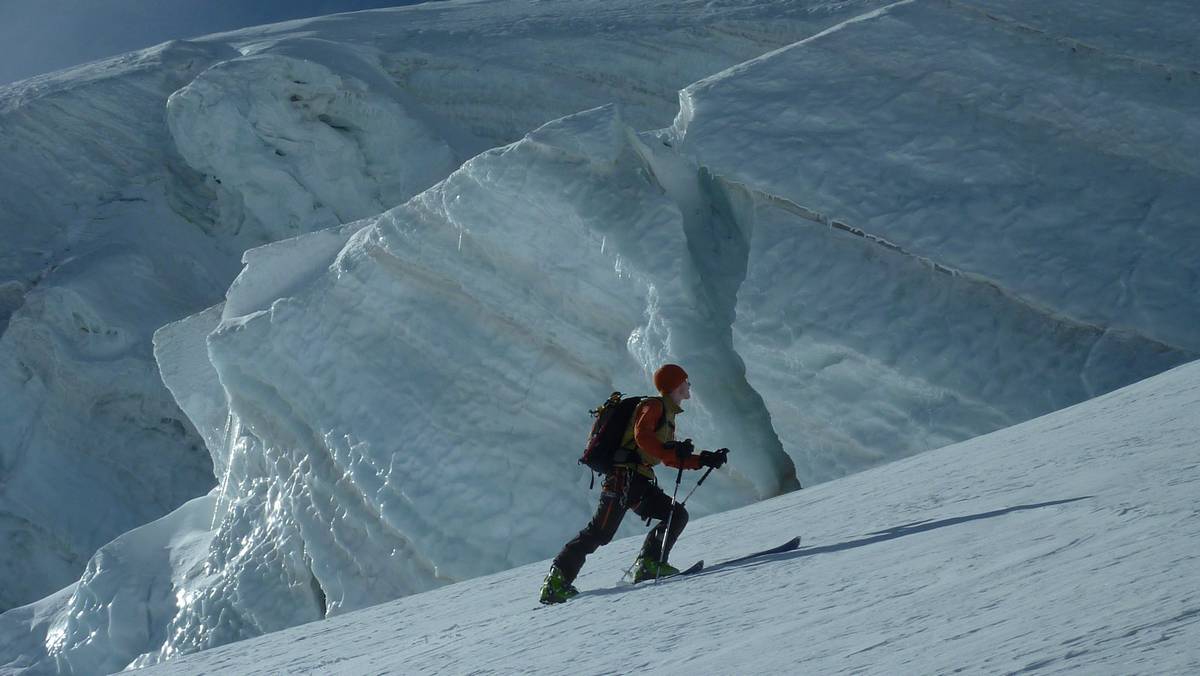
(600, 529)
(649, 501)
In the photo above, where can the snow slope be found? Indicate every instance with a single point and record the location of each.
(1063, 544)
(129, 189)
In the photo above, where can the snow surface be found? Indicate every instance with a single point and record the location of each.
(1064, 544)
(129, 189)
(390, 404)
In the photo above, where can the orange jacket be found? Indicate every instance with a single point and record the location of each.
(645, 427)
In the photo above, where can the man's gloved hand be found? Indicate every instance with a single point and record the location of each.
(682, 449)
(714, 459)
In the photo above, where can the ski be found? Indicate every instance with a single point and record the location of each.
(788, 546)
(698, 566)
(694, 568)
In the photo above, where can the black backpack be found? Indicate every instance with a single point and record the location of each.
(604, 443)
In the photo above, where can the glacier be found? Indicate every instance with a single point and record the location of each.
(859, 249)
(95, 259)
(144, 178)
(981, 160)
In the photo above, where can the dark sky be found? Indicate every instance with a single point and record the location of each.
(39, 36)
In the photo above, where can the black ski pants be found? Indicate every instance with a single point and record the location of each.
(623, 489)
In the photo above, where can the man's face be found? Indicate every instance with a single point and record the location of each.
(683, 392)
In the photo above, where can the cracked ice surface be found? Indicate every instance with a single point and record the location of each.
(1025, 211)
(1063, 176)
(145, 177)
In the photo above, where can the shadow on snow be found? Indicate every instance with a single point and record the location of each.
(870, 539)
(914, 528)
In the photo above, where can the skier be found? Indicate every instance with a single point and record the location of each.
(649, 439)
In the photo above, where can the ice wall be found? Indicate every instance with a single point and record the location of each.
(305, 136)
(416, 397)
(93, 259)
(271, 132)
(981, 219)
(1060, 173)
(878, 354)
(406, 395)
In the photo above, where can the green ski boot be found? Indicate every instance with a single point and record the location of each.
(555, 589)
(646, 568)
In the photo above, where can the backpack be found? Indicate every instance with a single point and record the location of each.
(603, 449)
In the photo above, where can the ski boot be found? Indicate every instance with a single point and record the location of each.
(555, 589)
(649, 568)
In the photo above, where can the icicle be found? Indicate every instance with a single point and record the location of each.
(232, 425)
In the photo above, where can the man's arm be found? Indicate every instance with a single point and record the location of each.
(649, 413)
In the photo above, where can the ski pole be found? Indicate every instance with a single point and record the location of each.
(702, 478)
(662, 552)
